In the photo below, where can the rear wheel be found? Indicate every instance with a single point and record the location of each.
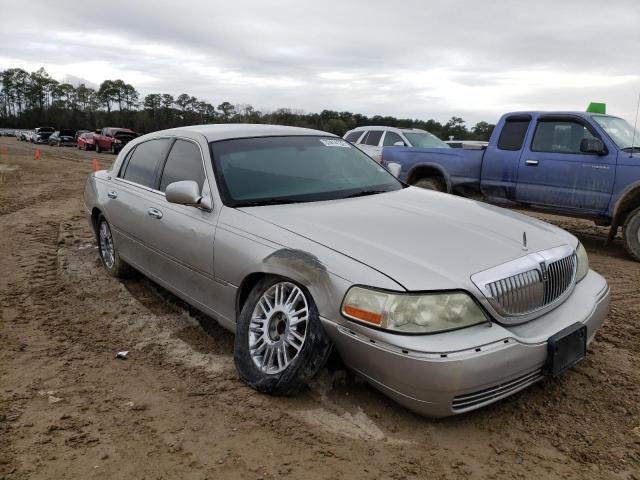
(280, 343)
(431, 183)
(631, 234)
(115, 266)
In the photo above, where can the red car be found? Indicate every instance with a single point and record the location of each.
(85, 141)
(113, 139)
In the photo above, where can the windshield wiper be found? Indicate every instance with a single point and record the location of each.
(631, 149)
(272, 201)
(364, 193)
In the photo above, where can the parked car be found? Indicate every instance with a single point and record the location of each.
(443, 312)
(573, 163)
(468, 144)
(85, 141)
(22, 135)
(62, 138)
(112, 139)
(371, 140)
(42, 134)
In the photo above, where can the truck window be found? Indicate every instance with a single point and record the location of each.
(373, 138)
(513, 133)
(390, 138)
(559, 136)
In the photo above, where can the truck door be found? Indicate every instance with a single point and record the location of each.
(554, 172)
(501, 159)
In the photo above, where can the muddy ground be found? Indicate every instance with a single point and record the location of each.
(176, 409)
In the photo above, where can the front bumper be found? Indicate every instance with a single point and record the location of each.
(456, 372)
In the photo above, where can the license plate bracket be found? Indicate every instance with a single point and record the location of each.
(566, 348)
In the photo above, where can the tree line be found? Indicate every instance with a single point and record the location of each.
(30, 99)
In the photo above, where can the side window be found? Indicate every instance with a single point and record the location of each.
(353, 136)
(183, 163)
(364, 138)
(390, 138)
(373, 138)
(142, 165)
(513, 133)
(559, 136)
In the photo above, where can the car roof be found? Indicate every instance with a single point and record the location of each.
(228, 131)
(383, 127)
(538, 113)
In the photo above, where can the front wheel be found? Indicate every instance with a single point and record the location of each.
(280, 343)
(98, 149)
(631, 234)
(115, 266)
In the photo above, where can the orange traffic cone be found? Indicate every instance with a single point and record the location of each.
(38, 154)
(96, 165)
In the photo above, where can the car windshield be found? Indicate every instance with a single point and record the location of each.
(273, 170)
(424, 140)
(620, 131)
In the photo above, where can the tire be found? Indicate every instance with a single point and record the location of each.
(631, 234)
(98, 149)
(111, 261)
(431, 183)
(292, 362)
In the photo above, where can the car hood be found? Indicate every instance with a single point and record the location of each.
(424, 240)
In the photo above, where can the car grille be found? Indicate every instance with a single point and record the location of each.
(488, 395)
(534, 289)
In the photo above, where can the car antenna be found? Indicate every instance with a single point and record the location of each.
(635, 125)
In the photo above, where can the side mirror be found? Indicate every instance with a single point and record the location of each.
(399, 144)
(592, 145)
(187, 192)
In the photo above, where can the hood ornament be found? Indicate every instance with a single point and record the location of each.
(524, 241)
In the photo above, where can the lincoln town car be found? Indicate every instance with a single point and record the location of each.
(300, 243)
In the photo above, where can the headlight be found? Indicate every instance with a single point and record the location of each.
(583, 263)
(412, 313)
(117, 141)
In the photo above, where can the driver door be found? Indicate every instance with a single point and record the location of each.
(553, 172)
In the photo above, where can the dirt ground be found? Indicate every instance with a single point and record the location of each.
(176, 409)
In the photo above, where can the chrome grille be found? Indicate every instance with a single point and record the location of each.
(529, 284)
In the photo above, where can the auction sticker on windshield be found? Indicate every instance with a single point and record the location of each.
(335, 142)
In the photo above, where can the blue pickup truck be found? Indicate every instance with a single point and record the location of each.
(572, 163)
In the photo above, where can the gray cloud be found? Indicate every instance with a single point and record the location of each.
(411, 58)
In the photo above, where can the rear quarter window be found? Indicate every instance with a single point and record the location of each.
(353, 136)
(513, 133)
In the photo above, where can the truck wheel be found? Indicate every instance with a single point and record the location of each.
(280, 343)
(631, 234)
(431, 183)
(98, 149)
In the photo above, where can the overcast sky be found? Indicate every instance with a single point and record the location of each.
(422, 59)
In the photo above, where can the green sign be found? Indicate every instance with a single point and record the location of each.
(595, 107)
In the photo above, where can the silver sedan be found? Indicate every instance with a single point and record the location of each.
(299, 243)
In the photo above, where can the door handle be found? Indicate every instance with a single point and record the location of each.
(155, 213)
(532, 163)
(112, 194)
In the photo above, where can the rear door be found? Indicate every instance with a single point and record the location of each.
(554, 173)
(130, 196)
(501, 159)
